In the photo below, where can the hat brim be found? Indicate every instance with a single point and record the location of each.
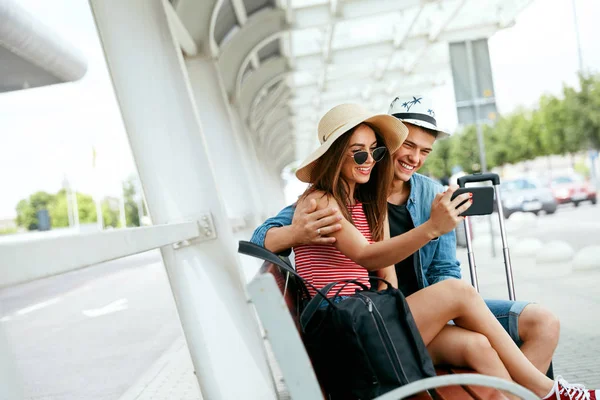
(390, 128)
(442, 134)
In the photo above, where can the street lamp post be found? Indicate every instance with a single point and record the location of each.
(593, 153)
(578, 41)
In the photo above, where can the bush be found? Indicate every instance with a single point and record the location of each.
(8, 231)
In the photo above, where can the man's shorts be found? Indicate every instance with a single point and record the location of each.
(507, 312)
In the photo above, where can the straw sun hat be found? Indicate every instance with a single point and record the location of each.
(341, 119)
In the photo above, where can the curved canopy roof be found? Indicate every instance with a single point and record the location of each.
(285, 62)
(32, 55)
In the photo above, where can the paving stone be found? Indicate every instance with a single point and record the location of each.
(587, 258)
(526, 247)
(555, 251)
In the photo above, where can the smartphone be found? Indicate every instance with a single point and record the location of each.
(483, 200)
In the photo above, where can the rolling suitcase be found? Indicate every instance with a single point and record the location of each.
(495, 179)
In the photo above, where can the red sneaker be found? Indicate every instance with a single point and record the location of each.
(564, 390)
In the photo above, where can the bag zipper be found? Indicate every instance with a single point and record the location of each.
(370, 306)
(406, 381)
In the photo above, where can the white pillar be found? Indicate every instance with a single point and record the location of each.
(224, 139)
(270, 196)
(275, 184)
(179, 184)
(243, 190)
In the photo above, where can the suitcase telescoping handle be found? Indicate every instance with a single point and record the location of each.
(495, 179)
(463, 180)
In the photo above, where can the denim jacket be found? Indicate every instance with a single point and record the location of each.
(437, 258)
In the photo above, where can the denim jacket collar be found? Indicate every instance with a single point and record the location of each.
(413, 198)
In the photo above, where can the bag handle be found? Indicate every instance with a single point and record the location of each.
(354, 281)
(311, 308)
(254, 250)
(314, 304)
(376, 278)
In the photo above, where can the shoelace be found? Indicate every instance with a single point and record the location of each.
(575, 391)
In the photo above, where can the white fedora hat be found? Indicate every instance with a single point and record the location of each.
(418, 111)
(339, 120)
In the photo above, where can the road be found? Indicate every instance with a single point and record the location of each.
(578, 226)
(91, 333)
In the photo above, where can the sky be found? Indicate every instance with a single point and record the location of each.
(49, 133)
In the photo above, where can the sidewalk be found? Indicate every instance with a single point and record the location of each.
(171, 377)
(572, 295)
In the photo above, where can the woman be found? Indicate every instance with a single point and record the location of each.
(352, 171)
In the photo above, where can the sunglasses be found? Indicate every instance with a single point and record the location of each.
(361, 157)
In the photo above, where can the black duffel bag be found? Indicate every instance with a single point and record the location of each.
(363, 346)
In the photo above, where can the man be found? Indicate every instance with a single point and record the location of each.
(531, 326)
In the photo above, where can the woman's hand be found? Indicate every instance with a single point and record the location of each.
(445, 212)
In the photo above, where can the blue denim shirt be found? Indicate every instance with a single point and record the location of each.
(437, 258)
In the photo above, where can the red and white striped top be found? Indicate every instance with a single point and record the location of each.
(323, 264)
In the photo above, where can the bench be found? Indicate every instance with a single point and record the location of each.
(277, 296)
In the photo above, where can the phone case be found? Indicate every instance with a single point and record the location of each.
(483, 200)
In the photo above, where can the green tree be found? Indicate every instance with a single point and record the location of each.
(87, 209)
(559, 126)
(438, 162)
(553, 120)
(27, 209)
(110, 212)
(581, 107)
(26, 216)
(59, 210)
(464, 149)
(130, 194)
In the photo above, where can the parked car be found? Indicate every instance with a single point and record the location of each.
(526, 195)
(572, 189)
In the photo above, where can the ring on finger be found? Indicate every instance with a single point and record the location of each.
(319, 231)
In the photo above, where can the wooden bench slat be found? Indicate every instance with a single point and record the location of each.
(451, 392)
(479, 392)
(421, 396)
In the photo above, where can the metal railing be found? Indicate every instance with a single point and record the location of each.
(28, 260)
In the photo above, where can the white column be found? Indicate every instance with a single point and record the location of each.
(270, 195)
(227, 147)
(176, 171)
(275, 184)
(243, 189)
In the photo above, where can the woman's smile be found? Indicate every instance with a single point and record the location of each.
(366, 171)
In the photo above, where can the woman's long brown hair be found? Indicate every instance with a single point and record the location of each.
(326, 176)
